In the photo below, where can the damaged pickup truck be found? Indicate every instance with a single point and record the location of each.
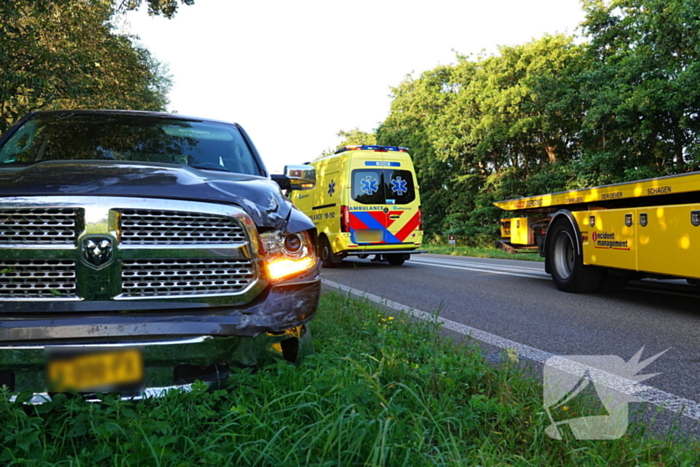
(142, 250)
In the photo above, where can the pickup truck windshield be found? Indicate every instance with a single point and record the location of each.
(129, 138)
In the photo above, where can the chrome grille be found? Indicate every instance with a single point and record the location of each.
(38, 226)
(184, 251)
(37, 279)
(155, 227)
(186, 277)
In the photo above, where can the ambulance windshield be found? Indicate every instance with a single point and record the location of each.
(383, 186)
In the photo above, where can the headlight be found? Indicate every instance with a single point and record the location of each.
(287, 254)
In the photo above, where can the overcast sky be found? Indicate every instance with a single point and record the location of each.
(294, 73)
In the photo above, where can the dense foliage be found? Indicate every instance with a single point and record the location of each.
(166, 8)
(68, 55)
(554, 114)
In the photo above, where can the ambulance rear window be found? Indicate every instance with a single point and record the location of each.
(383, 186)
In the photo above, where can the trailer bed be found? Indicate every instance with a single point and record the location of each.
(607, 194)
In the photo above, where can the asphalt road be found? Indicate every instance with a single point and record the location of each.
(517, 301)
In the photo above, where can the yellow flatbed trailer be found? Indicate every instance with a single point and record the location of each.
(604, 236)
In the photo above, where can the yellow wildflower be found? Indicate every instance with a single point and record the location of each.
(512, 355)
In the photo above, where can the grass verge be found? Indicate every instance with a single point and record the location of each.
(380, 390)
(524, 255)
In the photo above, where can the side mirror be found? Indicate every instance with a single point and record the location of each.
(297, 177)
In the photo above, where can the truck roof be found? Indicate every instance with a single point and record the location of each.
(672, 184)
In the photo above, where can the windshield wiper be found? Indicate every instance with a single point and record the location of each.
(210, 167)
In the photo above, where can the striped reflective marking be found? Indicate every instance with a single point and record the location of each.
(409, 228)
(371, 222)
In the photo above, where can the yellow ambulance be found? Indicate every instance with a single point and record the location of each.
(365, 202)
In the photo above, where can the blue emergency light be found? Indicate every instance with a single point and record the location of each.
(367, 147)
(382, 164)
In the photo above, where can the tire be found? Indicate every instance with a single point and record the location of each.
(566, 265)
(304, 345)
(325, 254)
(397, 259)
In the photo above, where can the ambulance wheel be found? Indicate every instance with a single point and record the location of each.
(397, 259)
(328, 259)
(566, 264)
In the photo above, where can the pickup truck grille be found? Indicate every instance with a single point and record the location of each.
(152, 227)
(37, 279)
(43, 226)
(183, 277)
(118, 249)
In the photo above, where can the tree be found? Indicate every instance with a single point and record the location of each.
(499, 117)
(416, 104)
(167, 8)
(67, 55)
(356, 136)
(642, 87)
(479, 130)
(552, 115)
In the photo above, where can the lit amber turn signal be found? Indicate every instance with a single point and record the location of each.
(285, 267)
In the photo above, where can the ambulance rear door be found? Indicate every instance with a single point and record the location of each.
(384, 208)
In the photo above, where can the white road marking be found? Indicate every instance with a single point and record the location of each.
(530, 266)
(652, 395)
(531, 273)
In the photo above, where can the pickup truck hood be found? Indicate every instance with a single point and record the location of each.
(260, 197)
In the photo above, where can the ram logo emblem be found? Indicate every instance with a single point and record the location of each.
(97, 251)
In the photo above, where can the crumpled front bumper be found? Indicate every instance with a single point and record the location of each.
(168, 363)
(177, 347)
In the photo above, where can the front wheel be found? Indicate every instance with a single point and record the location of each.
(566, 264)
(325, 253)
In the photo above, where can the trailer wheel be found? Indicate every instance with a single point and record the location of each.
(566, 264)
(325, 253)
(397, 259)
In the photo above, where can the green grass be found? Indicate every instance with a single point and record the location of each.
(525, 255)
(380, 390)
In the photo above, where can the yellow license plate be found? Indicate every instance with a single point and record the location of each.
(369, 235)
(98, 372)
